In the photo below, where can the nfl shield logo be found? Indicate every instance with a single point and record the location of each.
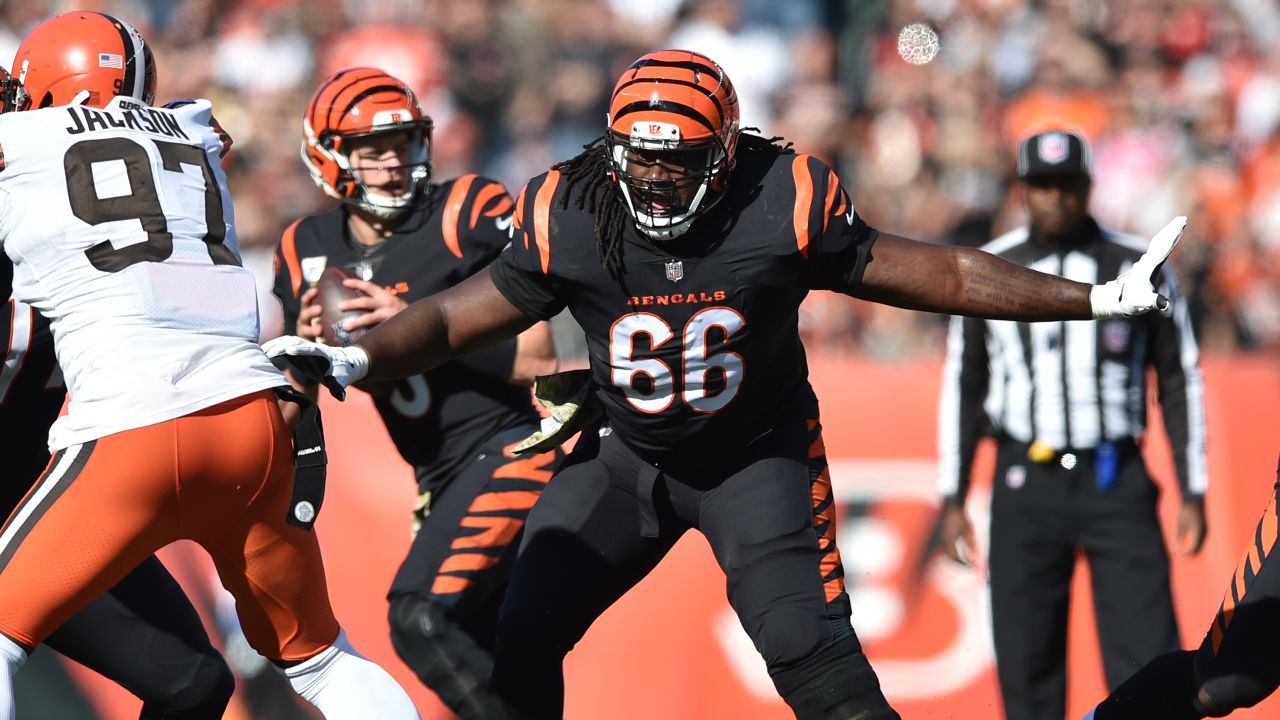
(1015, 477)
(675, 270)
(1053, 148)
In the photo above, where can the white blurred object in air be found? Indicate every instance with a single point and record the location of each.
(918, 43)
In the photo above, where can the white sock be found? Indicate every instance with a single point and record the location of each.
(13, 656)
(343, 685)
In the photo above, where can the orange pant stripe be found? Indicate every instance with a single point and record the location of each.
(824, 516)
(1257, 552)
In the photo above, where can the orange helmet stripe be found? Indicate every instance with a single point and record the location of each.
(359, 90)
(344, 90)
(680, 87)
(341, 82)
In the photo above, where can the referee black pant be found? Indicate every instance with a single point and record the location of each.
(1042, 515)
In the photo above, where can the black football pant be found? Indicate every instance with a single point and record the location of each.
(446, 595)
(1042, 516)
(768, 516)
(143, 634)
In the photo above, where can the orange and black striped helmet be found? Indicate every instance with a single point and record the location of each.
(357, 103)
(673, 131)
(85, 57)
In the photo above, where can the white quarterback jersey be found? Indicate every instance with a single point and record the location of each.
(121, 232)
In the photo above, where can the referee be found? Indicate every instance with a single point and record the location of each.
(1066, 402)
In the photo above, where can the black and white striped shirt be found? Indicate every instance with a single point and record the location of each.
(1071, 384)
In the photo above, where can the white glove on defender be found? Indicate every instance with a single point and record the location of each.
(1133, 293)
(334, 367)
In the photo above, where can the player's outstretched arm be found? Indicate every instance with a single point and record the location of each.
(464, 318)
(467, 317)
(963, 281)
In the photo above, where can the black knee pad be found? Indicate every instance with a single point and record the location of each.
(790, 635)
(203, 695)
(834, 683)
(444, 657)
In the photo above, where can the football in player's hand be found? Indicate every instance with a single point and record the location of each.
(332, 293)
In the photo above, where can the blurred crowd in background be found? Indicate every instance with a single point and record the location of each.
(1180, 98)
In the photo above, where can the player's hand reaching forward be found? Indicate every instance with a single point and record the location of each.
(1133, 293)
(334, 367)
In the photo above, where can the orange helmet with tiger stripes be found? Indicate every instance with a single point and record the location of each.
(85, 57)
(357, 103)
(673, 131)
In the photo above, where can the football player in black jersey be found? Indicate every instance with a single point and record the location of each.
(684, 248)
(367, 142)
(143, 633)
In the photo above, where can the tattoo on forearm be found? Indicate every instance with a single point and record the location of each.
(1004, 291)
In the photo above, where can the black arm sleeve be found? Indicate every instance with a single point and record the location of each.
(962, 417)
(1176, 358)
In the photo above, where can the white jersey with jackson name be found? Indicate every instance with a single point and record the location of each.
(120, 228)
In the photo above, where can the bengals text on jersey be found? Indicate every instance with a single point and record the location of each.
(694, 344)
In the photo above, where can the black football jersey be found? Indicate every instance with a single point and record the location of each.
(31, 392)
(694, 345)
(438, 419)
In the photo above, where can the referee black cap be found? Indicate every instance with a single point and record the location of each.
(1054, 152)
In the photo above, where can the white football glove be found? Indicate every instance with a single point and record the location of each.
(334, 367)
(1133, 293)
